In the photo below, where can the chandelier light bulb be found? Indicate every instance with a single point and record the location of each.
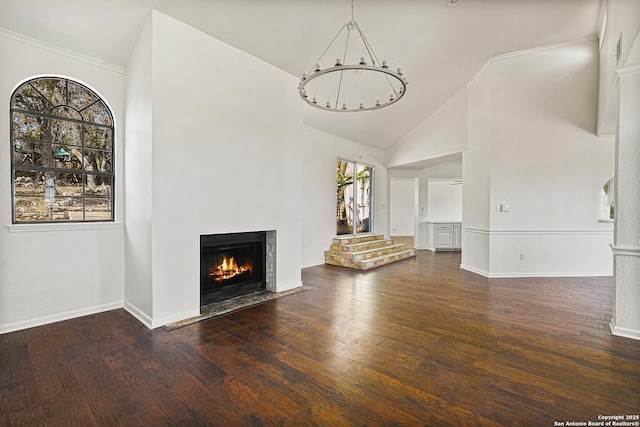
(338, 62)
(344, 106)
(377, 102)
(361, 106)
(362, 61)
(384, 64)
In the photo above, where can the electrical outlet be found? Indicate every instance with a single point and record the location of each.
(521, 257)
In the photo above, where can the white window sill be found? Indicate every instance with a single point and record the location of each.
(26, 228)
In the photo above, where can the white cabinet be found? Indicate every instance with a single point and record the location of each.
(444, 236)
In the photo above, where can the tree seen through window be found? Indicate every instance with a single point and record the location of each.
(62, 145)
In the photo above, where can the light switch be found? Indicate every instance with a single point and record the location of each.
(506, 208)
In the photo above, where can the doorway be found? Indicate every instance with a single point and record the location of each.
(354, 198)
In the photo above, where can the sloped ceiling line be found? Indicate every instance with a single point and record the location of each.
(479, 73)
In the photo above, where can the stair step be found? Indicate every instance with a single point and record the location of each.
(361, 246)
(373, 262)
(366, 252)
(370, 253)
(357, 239)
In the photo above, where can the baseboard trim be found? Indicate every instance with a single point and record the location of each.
(288, 288)
(156, 323)
(516, 275)
(59, 317)
(546, 274)
(152, 323)
(138, 314)
(312, 264)
(625, 333)
(474, 270)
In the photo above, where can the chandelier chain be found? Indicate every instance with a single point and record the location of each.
(352, 19)
(374, 58)
(325, 51)
(346, 46)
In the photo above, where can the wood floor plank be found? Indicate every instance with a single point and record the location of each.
(418, 342)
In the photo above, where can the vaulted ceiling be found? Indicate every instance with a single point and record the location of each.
(439, 46)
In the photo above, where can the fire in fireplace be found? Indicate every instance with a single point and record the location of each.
(231, 265)
(229, 269)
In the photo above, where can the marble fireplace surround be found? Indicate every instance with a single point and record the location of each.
(243, 301)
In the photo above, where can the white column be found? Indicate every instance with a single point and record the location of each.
(626, 248)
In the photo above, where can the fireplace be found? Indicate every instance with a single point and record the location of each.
(235, 264)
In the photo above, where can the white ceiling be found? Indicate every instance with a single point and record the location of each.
(439, 47)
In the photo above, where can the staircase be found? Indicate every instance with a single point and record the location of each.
(366, 252)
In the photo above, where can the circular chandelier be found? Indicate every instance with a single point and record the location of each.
(362, 85)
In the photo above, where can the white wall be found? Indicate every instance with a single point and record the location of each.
(445, 201)
(55, 272)
(476, 175)
(402, 204)
(138, 170)
(226, 157)
(321, 150)
(443, 133)
(532, 124)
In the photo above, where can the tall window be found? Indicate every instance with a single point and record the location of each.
(62, 145)
(354, 198)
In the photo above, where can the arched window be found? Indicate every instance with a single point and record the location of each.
(62, 146)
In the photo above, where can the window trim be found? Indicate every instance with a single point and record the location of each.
(45, 225)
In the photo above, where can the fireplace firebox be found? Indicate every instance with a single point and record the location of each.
(231, 265)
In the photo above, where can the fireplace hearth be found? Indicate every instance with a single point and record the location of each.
(235, 264)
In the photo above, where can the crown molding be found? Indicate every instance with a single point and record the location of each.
(527, 52)
(60, 51)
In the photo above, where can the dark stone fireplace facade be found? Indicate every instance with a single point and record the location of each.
(235, 264)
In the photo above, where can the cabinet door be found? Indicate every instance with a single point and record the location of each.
(443, 238)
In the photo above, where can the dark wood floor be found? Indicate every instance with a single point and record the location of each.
(420, 342)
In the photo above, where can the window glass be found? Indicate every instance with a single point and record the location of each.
(62, 144)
